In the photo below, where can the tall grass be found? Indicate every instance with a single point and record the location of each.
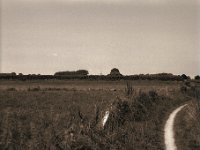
(70, 119)
(129, 89)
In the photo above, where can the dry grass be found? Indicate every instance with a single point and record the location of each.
(56, 117)
(188, 122)
(187, 128)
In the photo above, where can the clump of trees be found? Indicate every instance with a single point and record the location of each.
(115, 73)
(72, 73)
(197, 77)
(185, 77)
(8, 74)
(84, 74)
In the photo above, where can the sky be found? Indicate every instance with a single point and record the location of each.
(135, 36)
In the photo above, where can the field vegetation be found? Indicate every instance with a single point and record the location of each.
(66, 115)
(188, 121)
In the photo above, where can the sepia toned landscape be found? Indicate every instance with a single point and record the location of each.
(68, 114)
(99, 74)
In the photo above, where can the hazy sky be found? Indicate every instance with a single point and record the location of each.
(136, 36)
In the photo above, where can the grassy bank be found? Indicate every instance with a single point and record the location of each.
(188, 122)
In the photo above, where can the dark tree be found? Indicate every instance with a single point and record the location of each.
(72, 73)
(13, 74)
(197, 77)
(185, 77)
(82, 72)
(115, 72)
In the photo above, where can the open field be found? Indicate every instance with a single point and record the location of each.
(67, 114)
(84, 85)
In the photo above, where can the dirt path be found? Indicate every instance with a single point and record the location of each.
(169, 130)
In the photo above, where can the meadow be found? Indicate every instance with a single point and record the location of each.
(67, 114)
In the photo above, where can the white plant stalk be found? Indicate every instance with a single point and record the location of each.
(105, 118)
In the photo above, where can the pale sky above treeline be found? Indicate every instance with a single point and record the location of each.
(136, 36)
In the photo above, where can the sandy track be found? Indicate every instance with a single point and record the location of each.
(169, 130)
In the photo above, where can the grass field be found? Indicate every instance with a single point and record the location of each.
(188, 122)
(67, 114)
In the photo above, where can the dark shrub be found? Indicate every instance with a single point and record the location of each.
(128, 89)
(143, 105)
(11, 89)
(183, 89)
(197, 77)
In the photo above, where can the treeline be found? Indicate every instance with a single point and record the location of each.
(72, 73)
(84, 76)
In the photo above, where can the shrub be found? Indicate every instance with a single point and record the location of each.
(129, 89)
(143, 105)
(187, 83)
(11, 89)
(197, 77)
(34, 89)
(183, 89)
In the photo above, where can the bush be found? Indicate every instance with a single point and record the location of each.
(183, 89)
(34, 89)
(129, 89)
(139, 108)
(143, 105)
(197, 77)
(11, 89)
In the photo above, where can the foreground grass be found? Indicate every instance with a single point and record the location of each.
(62, 119)
(187, 128)
(188, 123)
